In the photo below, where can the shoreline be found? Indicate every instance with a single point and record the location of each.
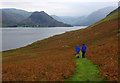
(34, 27)
(31, 27)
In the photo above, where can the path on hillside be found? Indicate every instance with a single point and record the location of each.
(85, 71)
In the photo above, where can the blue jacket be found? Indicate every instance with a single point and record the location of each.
(77, 49)
(83, 48)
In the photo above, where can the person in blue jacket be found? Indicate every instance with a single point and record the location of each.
(77, 51)
(83, 49)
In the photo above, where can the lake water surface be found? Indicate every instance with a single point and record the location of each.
(18, 37)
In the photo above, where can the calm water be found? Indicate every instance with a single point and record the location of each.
(18, 37)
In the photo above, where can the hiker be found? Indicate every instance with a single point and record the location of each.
(77, 51)
(83, 49)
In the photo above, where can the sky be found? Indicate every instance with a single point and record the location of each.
(59, 7)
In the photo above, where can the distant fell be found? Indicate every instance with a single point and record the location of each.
(17, 11)
(42, 19)
(11, 16)
(68, 19)
(8, 19)
(95, 16)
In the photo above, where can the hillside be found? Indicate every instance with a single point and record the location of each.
(23, 13)
(42, 19)
(8, 19)
(95, 16)
(52, 59)
(13, 16)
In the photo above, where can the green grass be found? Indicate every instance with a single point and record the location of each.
(85, 71)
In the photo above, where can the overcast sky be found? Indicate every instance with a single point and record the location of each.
(59, 7)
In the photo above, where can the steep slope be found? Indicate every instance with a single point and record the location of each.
(42, 19)
(95, 16)
(52, 59)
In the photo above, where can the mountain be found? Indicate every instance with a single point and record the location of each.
(11, 16)
(42, 19)
(95, 16)
(8, 19)
(23, 13)
(68, 19)
(16, 17)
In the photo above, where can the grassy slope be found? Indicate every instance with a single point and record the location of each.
(85, 71)
(52, 58)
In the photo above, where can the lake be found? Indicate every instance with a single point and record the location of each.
(18, 37)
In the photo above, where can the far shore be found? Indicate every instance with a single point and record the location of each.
(36, 27)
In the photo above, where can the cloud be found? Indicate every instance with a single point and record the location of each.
(59, 0)
(59, 7)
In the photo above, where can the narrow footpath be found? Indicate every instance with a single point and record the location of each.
(85, 71)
